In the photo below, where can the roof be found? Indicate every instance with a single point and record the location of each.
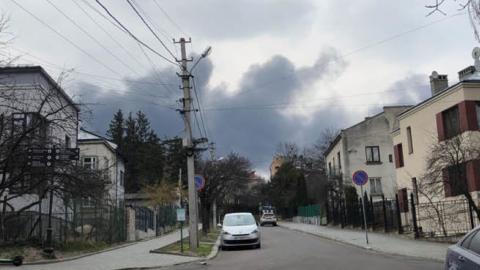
(41, 71)
(333, 143)
(450, 88)
(85, 136)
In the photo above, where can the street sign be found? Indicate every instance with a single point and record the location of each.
(360, 178)
(45, 157)
(199, 182)
(180, 214)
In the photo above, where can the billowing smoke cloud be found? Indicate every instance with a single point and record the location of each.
(245, 122)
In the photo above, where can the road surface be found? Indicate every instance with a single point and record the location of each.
(286, 249)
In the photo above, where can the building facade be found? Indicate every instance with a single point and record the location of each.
(366, 146)
(32, 103)
(451, 112)
(99, 153)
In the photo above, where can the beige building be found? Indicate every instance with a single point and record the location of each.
(451, 111)
(275, 165)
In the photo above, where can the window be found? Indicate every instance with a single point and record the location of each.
(451, 122)
(372, 154)
(409, 140)
(329, 168)
(466, 242)
(474, 243)
(455, 180)
(122, 178)
(403, 200)
(398, 152)
(375, 186)
(90, 163)
(477, 108)
(339, 162)
(390, 158)
(67, 141)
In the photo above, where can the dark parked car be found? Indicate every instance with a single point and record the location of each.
(466, 253)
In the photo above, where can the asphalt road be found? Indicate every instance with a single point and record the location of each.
(286, 249)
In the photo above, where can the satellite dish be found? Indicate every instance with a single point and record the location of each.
(434, 75)
(476, 53)
(476, 57)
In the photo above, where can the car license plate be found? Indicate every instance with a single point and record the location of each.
(241, 237)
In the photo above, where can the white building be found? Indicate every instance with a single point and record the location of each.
(99, 153)
(367, 146)
(29, 95)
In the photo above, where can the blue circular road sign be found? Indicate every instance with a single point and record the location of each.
(199, 182)
(360, 178)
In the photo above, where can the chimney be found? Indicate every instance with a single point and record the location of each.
(464, 73)
(438, 83)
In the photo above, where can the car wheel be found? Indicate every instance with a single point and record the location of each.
(224, 248)
(261, 224)
(259, 246)
(275, 224)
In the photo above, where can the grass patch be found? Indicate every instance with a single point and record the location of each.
(206, 243)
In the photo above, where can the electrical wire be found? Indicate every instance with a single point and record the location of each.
(127, 52)
(65, 38)
(150, 28)
(91, 37)
(132, 35)
(169, 18)
(200, 110)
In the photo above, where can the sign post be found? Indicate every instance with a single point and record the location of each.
(181, 218)
(360, 178)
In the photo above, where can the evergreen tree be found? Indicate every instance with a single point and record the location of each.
(116, 129)
(143, 127)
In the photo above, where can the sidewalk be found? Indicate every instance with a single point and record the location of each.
(377, 241)
(132, 256)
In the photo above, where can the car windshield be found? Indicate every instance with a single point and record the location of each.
(238, 220)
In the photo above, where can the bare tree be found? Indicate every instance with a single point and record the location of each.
(225, 181)
(447, 171)
(471, 6)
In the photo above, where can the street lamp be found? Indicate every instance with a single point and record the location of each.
(205, 53)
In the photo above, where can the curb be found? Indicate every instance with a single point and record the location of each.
(368, 248)
(215, 249)
(92, 253)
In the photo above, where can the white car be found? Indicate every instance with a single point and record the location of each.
(239, 229)
(268, 219)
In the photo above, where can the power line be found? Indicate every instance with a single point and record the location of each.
(162, 31)
(91, 37)
(132, 35)
(199, 108)
(150, 28)
(59, 67)
(64, 37)
(169, 18)
(107, 33)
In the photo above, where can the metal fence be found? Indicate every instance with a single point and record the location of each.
(92, 222)
(441, 219)
(381, 214)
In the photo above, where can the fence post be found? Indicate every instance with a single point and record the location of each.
(384, 210)
(472, 224)
(372, 213)
(342, 210)
(399, 216)
(362, 224)
(326, 211)
(414, 217)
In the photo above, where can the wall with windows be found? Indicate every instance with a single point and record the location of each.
(367, 146)
(442, 116)
(95, 154)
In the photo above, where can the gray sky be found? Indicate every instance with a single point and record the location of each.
(279, 70)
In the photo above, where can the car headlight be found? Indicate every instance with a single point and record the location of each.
(226, 233)
(255, 231)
